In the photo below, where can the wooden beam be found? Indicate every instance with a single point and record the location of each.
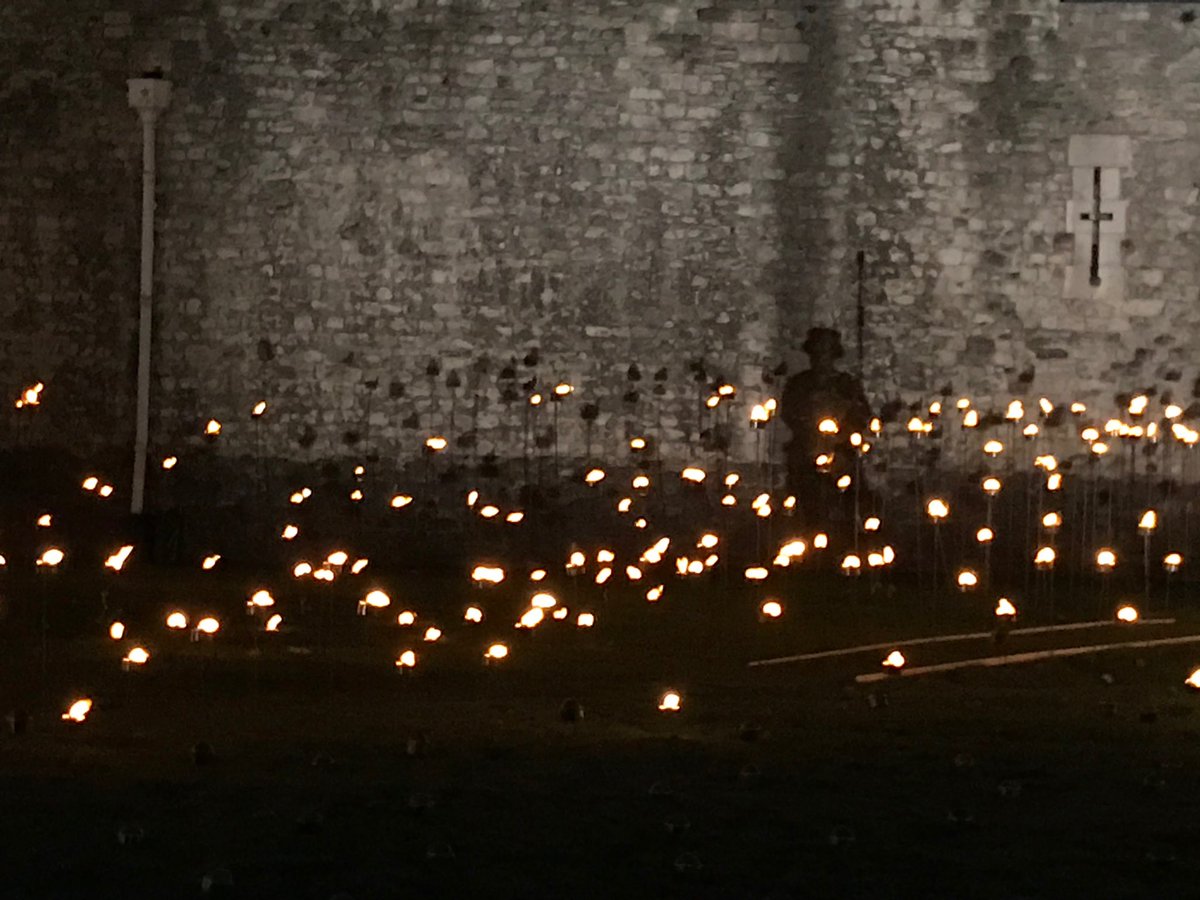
(1013, 659)
(949, 638)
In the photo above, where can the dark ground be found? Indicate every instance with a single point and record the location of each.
(1034, 781)
(335, 776)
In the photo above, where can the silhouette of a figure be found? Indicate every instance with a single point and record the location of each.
(821, 392)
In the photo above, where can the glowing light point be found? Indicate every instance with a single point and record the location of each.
(138, 656)
(1127, 614)
(496, 652)
(895, 661)
(937, 509)
(78, 711)
(670, 701)
(771, 609)
(1005, 608)
(1045, 557)
(544, 601)
(261, 599)
(116, 562)
(482, 575)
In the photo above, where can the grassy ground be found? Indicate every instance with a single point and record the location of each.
(333, 774)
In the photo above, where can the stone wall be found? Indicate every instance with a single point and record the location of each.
(366, 203)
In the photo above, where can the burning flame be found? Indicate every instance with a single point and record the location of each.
(177, 621)
(51, 558)
(496, 652)
(531, 618)
(895, 660)
(117, 561)
(585, 620)
(138, 656)
(261, 599)
(208, 625)
(78, 711)
(1005, 608)
(670, 701)
(377, 600)
(771, 609)
(937, 509)
(487, 575)
(473, 614)
(407, 660)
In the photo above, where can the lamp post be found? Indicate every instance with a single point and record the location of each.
(149, 96)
